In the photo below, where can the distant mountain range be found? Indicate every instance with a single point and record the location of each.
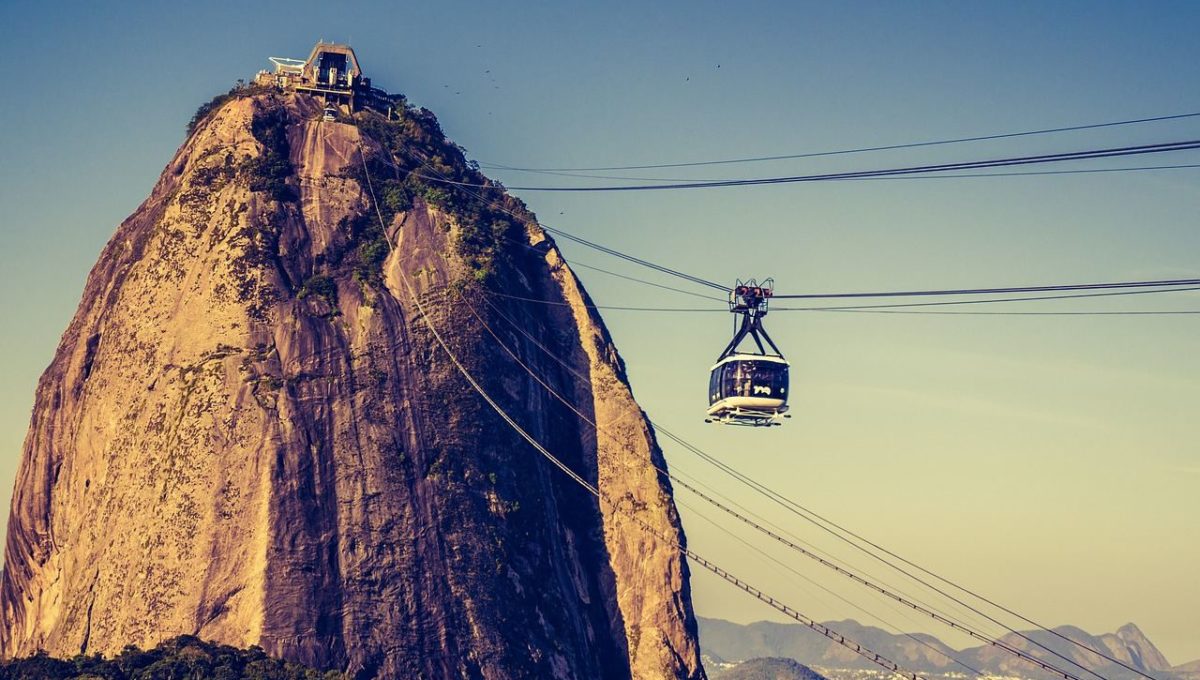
(731, 642)
(1189, 670)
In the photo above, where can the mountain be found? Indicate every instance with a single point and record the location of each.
(1128, 645)
(733, 642)
(1141, 652)
(1188, 671)
(249, 432)
(768, 669)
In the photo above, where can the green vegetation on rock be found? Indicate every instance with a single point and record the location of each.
(181, 658)
(424, 164)
(270, 169)
(319, 285)
(207, 108)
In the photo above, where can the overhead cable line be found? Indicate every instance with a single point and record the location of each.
(712, 284)
(995, 642)
(1160, 283)
(758, 594)
(1154, 284)
(1090, 154)
(797, 573)
(777, 537)
(763, 529)
(577, 263)
(634, 259)
(1032, 173)
(1024, 173)
(1116, 312)
(578, 413)
(582, 241)
(590, 244)
(877, 308)
(717, 286)
(874, 308)
(1180, 285)
(586, 380)
(867, 310)
(1028, 298)
(779, 498)
(825, 524)
(839, 152)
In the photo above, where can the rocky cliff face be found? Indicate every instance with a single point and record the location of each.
(249, 434)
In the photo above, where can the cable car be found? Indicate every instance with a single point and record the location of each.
(329, 114)
(745, 388)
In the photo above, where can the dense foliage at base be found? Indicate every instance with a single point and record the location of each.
(182, 658)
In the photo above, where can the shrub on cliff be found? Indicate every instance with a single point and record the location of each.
(270, 169)
(235, 92)
(424, 164)
(182, 658)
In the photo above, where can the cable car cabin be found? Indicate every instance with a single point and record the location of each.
(748, 389)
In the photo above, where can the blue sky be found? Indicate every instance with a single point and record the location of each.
(1049, 461)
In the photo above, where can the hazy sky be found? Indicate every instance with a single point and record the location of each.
(1052, 463)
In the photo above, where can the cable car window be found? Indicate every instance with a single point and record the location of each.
(777, 378)
(732, 379)
(754, 379)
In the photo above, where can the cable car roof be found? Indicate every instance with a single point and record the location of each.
(751, 357)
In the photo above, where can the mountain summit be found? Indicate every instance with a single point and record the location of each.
(249, 433)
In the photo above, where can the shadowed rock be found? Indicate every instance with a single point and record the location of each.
(248, 433)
